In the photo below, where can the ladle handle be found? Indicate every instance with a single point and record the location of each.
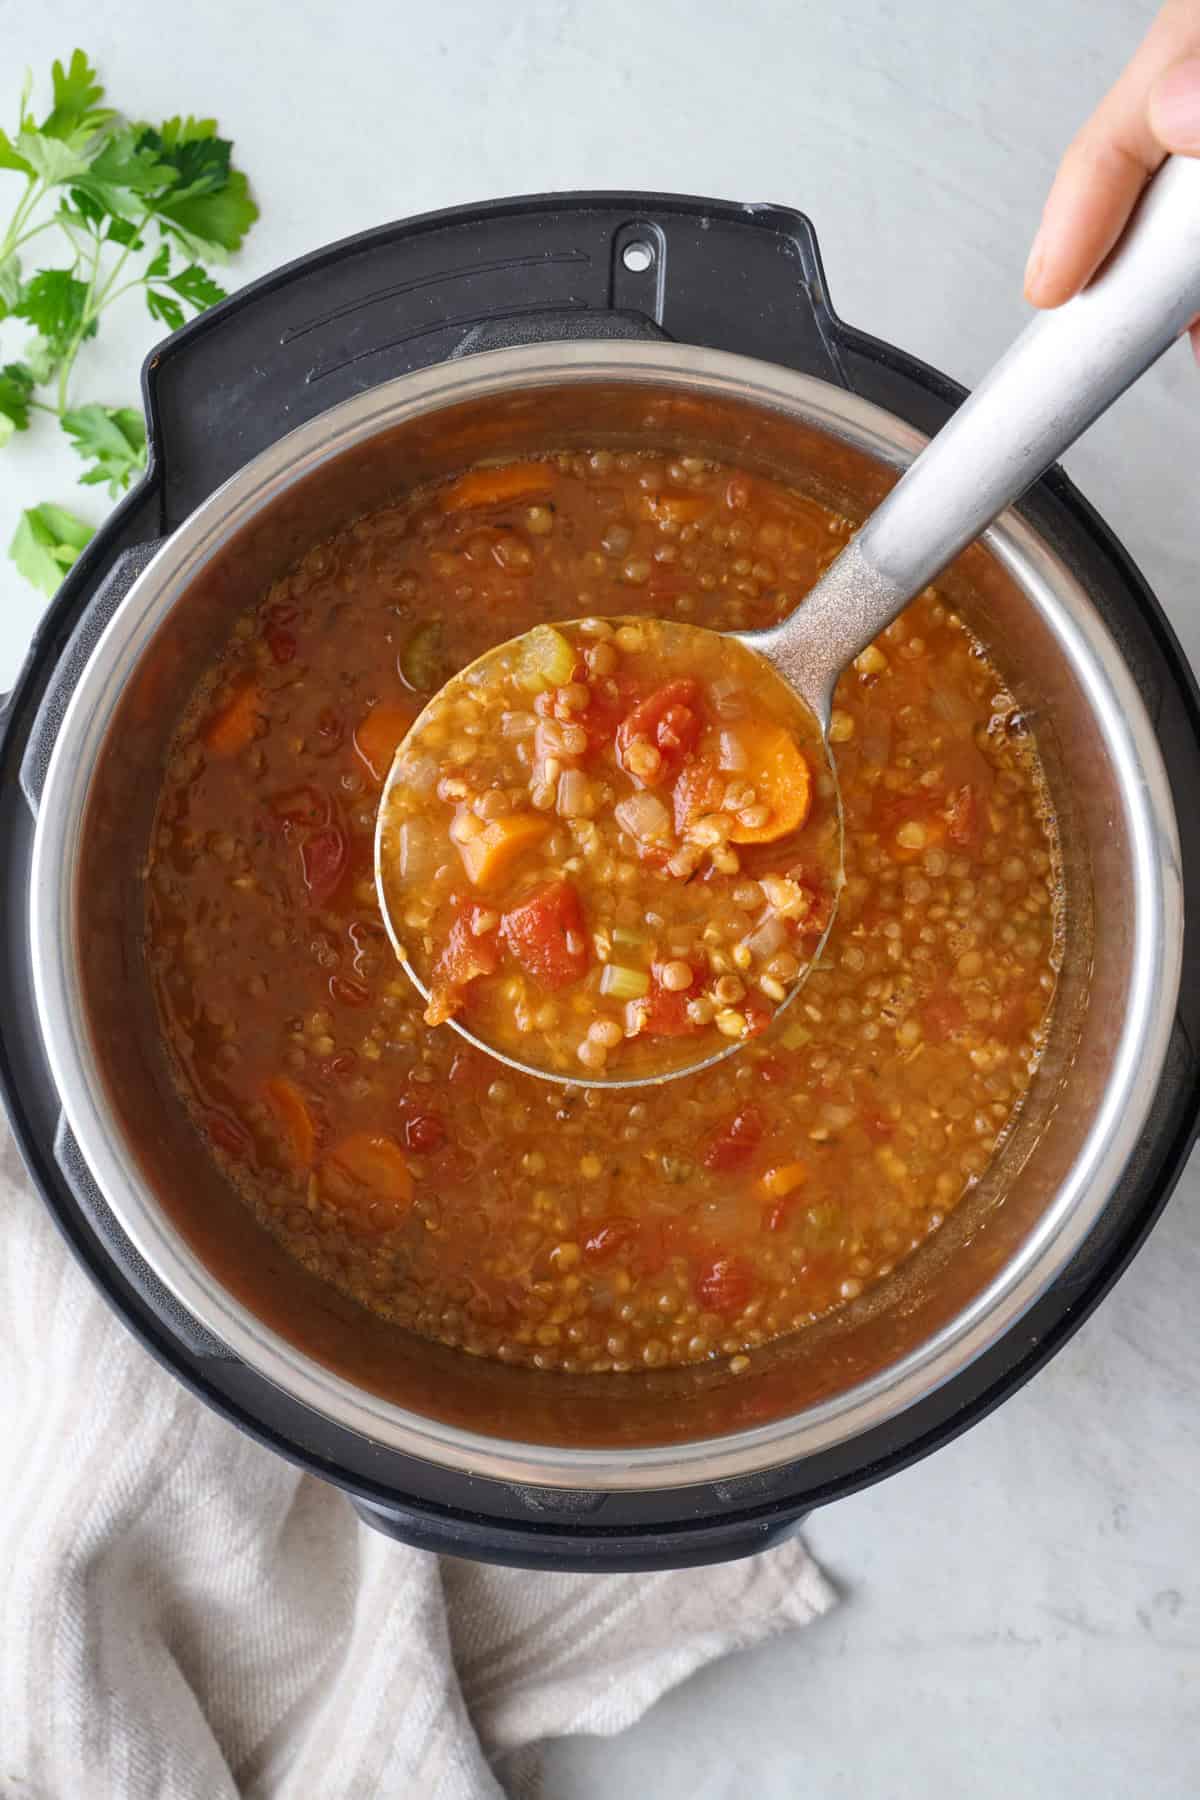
(1063, 371)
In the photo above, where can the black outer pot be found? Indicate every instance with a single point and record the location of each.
(744, 279)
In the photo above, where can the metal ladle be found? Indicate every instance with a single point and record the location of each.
(1066, 368)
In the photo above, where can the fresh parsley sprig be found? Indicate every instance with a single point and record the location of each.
(103, 185)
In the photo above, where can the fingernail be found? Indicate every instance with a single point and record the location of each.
(1175, 108)
(1033, 268)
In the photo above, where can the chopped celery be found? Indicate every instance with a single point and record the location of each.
(795, 1036)
(626, 937)
(422, 661)
(621, 983)
(546, 660)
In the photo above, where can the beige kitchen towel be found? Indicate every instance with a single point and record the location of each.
(184, 1616)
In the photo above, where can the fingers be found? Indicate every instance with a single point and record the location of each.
(1153, 109)
(1174, 107)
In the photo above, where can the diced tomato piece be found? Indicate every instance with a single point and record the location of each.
(466, 954)
(962, 818)
(281, 643)
(724, 1284)
(757, 1013)
(670, 720)
(606, 1239)
(665, 1010)
(323, 857)
(772, 1069)
(347, 992)
(734, 1144)
(424, 1133)
(699, 789)
(877, 1128)
(547, 935)
(303, 806)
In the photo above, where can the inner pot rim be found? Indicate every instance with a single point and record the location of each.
(1137, 1057)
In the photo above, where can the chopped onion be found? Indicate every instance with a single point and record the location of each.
(768, 936)
(643, 816)
(418, 852)
(733, 757)
(728, 697)
(574, 794)
(517, 724)
(419, 773)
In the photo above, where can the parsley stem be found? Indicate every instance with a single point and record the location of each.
(86, 318)
(25, 206)
(26, 235)
(106, 294)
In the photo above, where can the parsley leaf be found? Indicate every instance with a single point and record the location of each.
(197, 286)
(165, 307)
(76, 117)
(55, 304)
(210, 224)
(16, 390)
(51, 158)
(10, 157)
(113, 438)
(46, 543)
(200, 159)
(41, 359)
(127, 168)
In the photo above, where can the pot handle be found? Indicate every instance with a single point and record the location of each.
(411, 294)
(580, 1549)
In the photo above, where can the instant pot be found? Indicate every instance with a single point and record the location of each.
(321, 392)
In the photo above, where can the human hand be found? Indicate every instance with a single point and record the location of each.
(1153, 110)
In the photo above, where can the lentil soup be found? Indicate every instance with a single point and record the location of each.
(574, 1228)
(611, 846)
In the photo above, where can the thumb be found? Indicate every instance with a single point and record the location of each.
(1173, 108)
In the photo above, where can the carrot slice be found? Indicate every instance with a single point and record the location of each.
(782, 1179)
(236, 724)
(490, 856)
(680, 509)
(379, 734)
(295, 1122)
(495, 487)
(367, 1178)
(779, 773)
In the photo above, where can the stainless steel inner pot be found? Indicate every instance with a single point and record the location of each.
(1046, 1189)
